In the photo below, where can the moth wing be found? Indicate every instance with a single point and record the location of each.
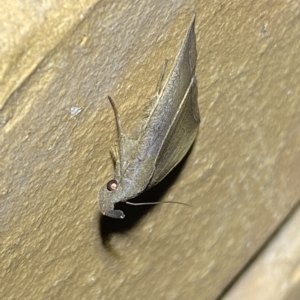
(180, 136)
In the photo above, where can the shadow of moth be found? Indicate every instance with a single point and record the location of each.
(164, 136)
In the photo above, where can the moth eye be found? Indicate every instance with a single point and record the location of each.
(112, 185)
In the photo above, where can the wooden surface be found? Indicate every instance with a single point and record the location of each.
(241, 177)
(275, 273)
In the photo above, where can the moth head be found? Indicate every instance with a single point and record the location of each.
(108, 195)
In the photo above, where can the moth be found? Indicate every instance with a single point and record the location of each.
(163, 137)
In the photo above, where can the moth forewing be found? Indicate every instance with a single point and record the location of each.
(169, 100)
(174, 120)
(180, 136)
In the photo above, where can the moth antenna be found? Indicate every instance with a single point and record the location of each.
(153, 203)
(117, 117)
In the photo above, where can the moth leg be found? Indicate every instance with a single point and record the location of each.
(114, 153)
(161, 77)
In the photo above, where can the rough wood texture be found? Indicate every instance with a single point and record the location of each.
(241, 177)
(275, 273)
